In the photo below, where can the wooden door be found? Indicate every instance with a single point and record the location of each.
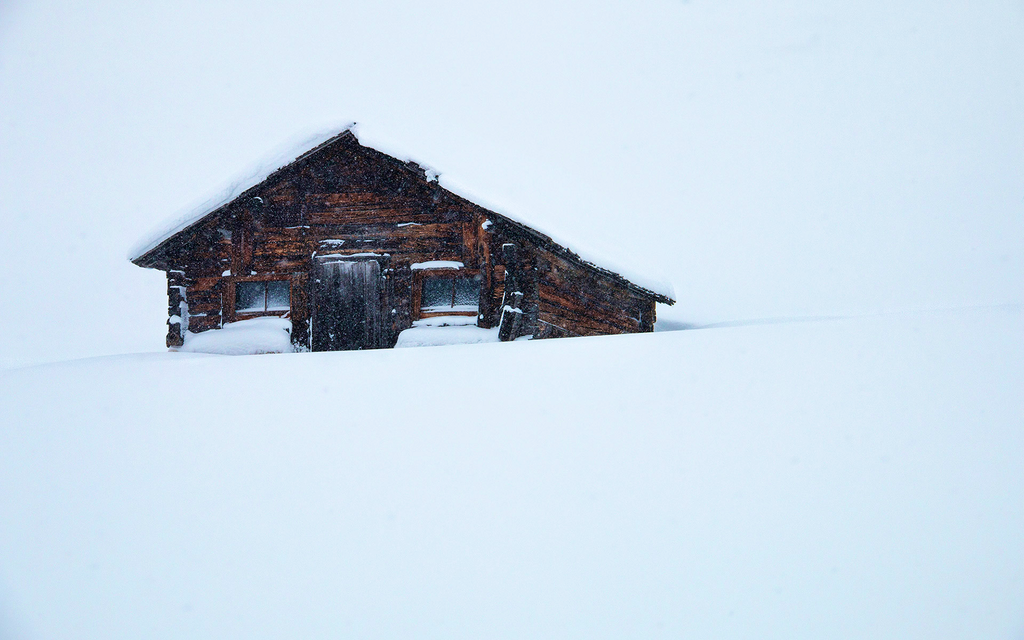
(348, 306)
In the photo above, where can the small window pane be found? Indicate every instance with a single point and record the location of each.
(278, 295)
(250, 296)
(467, 292)
(437, 292)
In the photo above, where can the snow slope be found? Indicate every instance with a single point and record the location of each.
(841, 479)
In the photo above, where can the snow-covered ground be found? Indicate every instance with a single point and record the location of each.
(853, 478)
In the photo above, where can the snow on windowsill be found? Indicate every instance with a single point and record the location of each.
(365, 254)
(437, 264)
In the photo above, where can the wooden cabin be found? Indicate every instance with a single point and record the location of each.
(354, 246)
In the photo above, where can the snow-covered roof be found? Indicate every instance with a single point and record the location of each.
(304, 146)
(660, 287)
(280, 158)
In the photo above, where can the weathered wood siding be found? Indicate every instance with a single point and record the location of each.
(564, 298)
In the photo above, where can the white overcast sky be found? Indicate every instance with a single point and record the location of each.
(771, 159)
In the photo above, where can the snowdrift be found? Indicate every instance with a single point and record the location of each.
(246, 337)
(443, 331)
(846, 479)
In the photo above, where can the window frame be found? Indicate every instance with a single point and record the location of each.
(420, 275)
(238, 314)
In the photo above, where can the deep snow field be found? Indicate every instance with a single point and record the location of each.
(857, 478)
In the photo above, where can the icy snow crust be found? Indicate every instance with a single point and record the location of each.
(845, 479)
(289, 152)
(246, 337)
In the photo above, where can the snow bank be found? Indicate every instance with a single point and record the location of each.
(848, 479)
(246, 337)
(445, 330)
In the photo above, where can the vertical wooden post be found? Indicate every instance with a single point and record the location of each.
(511, 317)
(300, 313)
(511, 314)
(177, 308)
(648, 315)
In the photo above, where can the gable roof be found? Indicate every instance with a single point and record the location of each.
(143, 252)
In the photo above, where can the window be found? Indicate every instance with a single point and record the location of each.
(450, 294)
(259, 297)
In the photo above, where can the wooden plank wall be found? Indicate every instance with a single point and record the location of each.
(577, 300)
(205, 304)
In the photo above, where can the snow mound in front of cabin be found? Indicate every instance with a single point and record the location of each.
(243, 338)
(445, 330)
